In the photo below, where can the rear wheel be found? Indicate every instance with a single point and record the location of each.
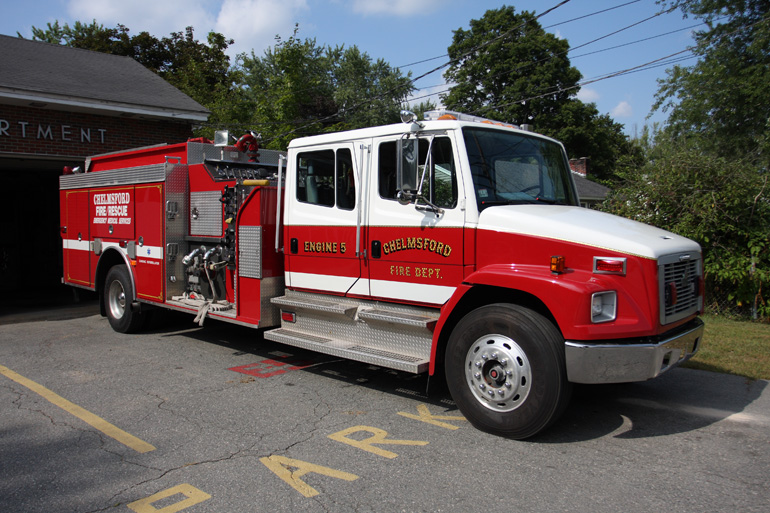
(118, 294)
(506, 371)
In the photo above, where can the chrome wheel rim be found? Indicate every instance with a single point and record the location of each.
(116, 300)
(498, 373)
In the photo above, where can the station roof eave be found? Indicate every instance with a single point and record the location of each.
(98, 107)
(59, 77)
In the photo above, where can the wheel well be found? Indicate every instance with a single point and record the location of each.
(109, 259)
(482, 295)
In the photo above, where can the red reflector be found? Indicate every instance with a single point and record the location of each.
(610, 266)
(289, 316)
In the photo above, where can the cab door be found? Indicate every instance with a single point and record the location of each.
(415, 249)
(321, 219)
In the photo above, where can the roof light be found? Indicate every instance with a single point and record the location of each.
(441, 115)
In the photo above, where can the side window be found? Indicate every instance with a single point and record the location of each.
(346, 184)
(444, 186)
(387, 170)
(441, 191)
(326, 178)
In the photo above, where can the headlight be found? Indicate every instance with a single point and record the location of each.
(604, 306)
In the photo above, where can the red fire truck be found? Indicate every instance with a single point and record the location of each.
(452, 244)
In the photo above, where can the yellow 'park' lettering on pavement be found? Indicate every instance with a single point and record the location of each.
(379, 437)
(281, 466)
(424, 415)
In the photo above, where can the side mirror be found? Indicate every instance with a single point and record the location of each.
(407, 165)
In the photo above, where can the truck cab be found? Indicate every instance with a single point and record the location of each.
(459, 244)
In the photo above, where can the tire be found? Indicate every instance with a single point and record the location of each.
(117, 296)
(505, 368)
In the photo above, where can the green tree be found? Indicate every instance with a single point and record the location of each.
(289, 89)
(723, 98)
(300, 88)
(508, 67)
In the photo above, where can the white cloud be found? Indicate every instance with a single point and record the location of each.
(622, 110)
(396, 7)
(588, 95)
(253, 24)
(159, 18)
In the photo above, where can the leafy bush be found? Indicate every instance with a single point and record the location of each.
(721, 203)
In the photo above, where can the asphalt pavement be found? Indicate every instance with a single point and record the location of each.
(216, 419)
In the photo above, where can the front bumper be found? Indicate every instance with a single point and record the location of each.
(626, 361)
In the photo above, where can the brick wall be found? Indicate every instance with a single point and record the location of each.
(38, 131)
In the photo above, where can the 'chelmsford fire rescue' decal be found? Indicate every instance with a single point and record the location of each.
(112, 208)
(112, 213)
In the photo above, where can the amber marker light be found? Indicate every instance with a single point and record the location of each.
(557, 264)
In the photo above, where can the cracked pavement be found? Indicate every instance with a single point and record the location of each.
(688, 441)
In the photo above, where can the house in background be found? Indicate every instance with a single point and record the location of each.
(591, 194)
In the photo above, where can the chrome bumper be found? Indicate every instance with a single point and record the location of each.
(628, 361)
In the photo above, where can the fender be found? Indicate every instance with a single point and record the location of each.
(107, 259)
(567, 297)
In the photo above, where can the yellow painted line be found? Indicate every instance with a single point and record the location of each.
(194, 496)
(86, 416)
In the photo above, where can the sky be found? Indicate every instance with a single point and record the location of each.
(413, 35)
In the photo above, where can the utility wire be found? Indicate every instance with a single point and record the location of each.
(549, 26)
(521, 68)
(360, 104)
(662, 61)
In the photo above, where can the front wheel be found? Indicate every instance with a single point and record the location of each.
(506, 370)
(118, 294)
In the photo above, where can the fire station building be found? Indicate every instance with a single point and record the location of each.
(59, 105)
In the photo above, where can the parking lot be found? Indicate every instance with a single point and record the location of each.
(215, 419)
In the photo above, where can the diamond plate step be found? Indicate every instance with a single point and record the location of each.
(406, 319)
(312, 303)
(349, 350)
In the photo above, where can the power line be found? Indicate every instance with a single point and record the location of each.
(662, 61)
(549, 26)
(360, 104)
(521, 68)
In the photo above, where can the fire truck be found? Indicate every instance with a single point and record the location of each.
(454, 246)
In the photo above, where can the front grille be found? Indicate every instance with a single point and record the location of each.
(679, 285)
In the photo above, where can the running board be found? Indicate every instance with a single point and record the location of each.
(384, 334)
(349, 350)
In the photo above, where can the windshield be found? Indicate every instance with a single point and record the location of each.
(510, 168)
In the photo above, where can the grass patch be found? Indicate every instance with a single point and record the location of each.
(734, 347)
